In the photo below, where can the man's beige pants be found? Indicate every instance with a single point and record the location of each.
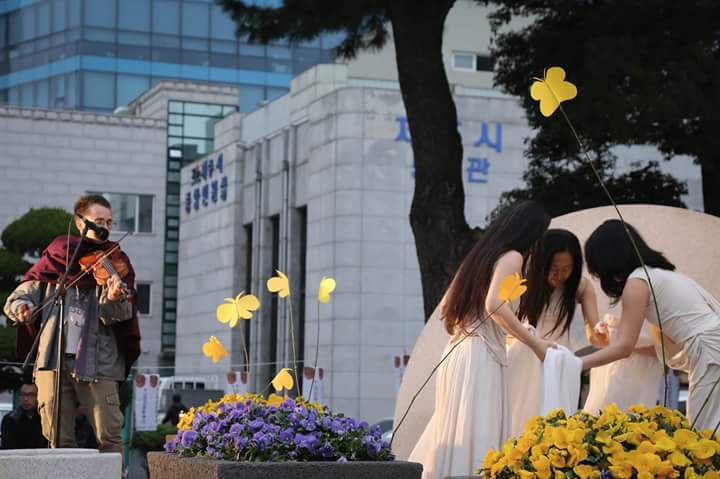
(99, 400)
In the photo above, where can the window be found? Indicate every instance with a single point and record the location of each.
(250, 97)
(99, 90)
(472, 62)
(130, 87)
(59, 20)
(143, 297)
(195, 19)
(222, 24)
(100, 13)
(166, 16)
(134, 15)
(131, 212)
(275, 265)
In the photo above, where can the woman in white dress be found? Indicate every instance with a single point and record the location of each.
(548, 310)
(472, 408)
(634, 380)
(690, 315)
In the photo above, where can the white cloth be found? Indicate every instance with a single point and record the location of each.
(561, 381)
(525, 370)
(633, 380)
(691, 319)
(472, 413)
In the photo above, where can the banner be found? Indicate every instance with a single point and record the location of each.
(318, 389)
(236, 382)
(146, 395)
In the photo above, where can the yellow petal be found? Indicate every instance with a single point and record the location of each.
(279, 284)
(227, 313)
(552, 90)
(327, 286)
(512, 287)
(275, 400)
(214, 350)
(246, 305)
(283, 379)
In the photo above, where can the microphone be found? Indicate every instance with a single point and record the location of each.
(100, 232)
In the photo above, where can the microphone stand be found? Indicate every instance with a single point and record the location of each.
(59, 301)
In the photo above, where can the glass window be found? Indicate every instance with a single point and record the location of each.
(27, 16)
(124, 210)
(250, 96)
(3, 30)
(221, 46)
(166, 16)
(252, 50)
(132, 38)
(43, 19)
(463, 61)
(57, 92)
(26, 95)
(281, 53)
(312, 43)
(59, 16)
(203, 109)
(14, 96)
(175, 107)
(171, 246)
(74, 16)
(198, 127)
(98, 90)
(166, 55)
(332, 40)
(134, 15)
(195, 19)
(71, 94)
(200, 44)
(143, 297)
(168, 41)
(175, 130)
(171, 281)
(100, 35)
(279, 66)
(41, 93)
(223, 60)
(100, 13)
(145, 216)
(222, 25)
(130, 87)
(15, 28)
(251, 63)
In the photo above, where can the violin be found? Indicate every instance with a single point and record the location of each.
(105, 265)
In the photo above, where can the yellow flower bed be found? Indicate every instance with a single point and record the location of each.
(186, 417)
(642, 443)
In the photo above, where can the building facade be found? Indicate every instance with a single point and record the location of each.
(96, 55)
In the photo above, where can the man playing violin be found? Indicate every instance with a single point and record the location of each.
(101, 333)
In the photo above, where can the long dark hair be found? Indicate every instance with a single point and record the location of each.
(611, 257)
(517, 228)
(537, 297)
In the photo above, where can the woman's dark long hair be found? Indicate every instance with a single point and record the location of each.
(611, 257)
(537, 297)
(517, 228)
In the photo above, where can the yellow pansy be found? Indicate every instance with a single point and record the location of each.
(621, 471)
(703, 449)
(584, 471)
(541, 465)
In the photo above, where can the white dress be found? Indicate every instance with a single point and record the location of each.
(472, 412)
(691, 319)
(525, 370)
(633, 380)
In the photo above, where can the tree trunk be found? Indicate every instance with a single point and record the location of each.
(437, 215)
(710, 171)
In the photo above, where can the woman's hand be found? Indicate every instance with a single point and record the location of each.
(541, 346)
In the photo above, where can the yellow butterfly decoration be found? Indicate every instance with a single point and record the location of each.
(512, 287)
(283, 379)
(552, 90)
(327, 286)
(214, 349)
(240, 307)
(279, 284)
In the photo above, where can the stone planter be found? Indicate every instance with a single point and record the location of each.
(171, 466)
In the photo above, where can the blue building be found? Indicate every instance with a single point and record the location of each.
(96, 55)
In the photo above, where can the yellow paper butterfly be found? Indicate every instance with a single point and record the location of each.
(279, 284)
(214, 350)
(512, 287)
(552, 90)
(283, 379)
(327, 286)
(240, 307)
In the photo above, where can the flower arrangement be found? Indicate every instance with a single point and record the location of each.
(640, 444)
(251, 428)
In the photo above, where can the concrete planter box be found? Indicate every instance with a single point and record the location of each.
(171, 466)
